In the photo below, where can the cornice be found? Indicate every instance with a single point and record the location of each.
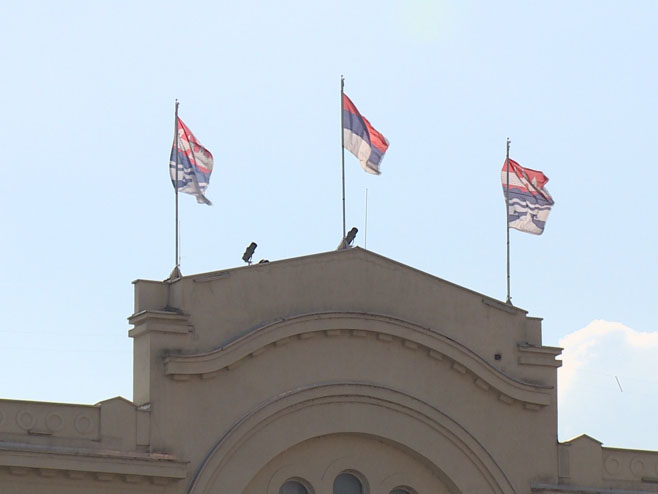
(100, 465)
(425, 341)
(578, 489)
(159, 321)
(543, 356)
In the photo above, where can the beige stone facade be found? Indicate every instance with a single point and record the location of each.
(342, 372)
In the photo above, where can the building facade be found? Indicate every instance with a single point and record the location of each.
(343, 372)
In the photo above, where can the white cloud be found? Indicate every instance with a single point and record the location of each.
(608, 385)
(586, 349)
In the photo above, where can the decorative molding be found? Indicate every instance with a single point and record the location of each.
(482, 384)
(61, 420)
(25, 420)
(412, 345)
(105, 477)
(539, 355)
(475, 462)
(83, 424)
(435, 345)
(159, 321)
(80, 463)
(505, 399)
(282, 341)
(54, 422)
(578, 489)
(629, 464)
(457, 367)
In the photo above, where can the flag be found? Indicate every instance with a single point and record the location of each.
(361, 139)
(529, 201)
(194, 164)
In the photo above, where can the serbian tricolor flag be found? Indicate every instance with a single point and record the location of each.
(194, 164)
(529, 202)
(361, 139)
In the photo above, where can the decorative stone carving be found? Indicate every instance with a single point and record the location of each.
(54, 422)
(273, 334)
(25, 420)
(612, 465)
(82, 424)
(637, 467)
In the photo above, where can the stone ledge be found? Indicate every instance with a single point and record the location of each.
(543, 356)
(578, 489)
(159, 321)
(22, 459)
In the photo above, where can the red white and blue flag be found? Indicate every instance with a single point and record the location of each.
(529, 202)
(361, 139)
(194, 164)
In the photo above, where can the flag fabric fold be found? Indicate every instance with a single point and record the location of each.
(361, 139)
(195, 164)
(529, 201)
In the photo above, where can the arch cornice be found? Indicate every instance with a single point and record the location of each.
(348, 408)
(427, 341)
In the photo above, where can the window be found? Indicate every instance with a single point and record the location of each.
(293, 487)
(346, 483)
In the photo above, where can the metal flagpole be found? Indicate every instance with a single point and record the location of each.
(177, 263)
(509, 298)
(175, 273)
(366, 229)
(342, 144)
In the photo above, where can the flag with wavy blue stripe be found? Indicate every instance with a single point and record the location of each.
(529, 202)
(190, 170)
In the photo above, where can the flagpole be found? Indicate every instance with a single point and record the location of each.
(509, 298)
(366, 229)
(177, 263)
(342, 144)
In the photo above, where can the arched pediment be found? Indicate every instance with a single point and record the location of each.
(429, 343)
(348, 408)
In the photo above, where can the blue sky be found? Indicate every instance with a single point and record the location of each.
(89, 90)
